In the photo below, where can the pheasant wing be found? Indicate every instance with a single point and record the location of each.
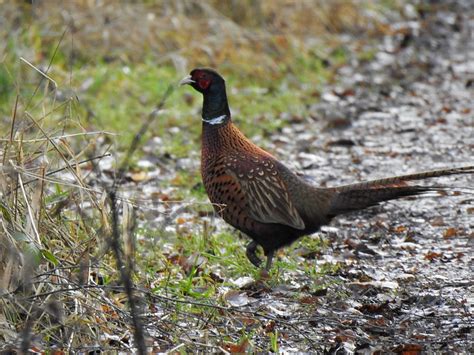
(266, 192)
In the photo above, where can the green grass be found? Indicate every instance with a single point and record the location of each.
(118, 98)
(200, 253)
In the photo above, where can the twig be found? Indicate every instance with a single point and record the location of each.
(39, 71)
(10, 140)
(56, 148)
(56, 137)
(125, 270)
(30, 213)
(73, 165)
(125, 276)
(137, 138)
(46, 71)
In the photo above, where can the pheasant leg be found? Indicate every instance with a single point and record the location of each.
(269, 260)
(251, 255)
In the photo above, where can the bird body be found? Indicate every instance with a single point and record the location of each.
(255, 193)
(232, 167)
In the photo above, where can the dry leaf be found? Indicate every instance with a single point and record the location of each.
(139, 176)
(237, 348)
(438, 221)
(400, 229)
(236, 298)
(433, 255)
(450, 232)
(408, 349)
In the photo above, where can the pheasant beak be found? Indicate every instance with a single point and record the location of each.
(186, 80)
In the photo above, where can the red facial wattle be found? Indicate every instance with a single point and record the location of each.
(204, 83)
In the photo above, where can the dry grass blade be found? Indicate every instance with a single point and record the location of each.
(39, 71)
(125, 269)
(61, 154)
(31, 221)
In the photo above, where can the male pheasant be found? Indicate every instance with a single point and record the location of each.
(255, 193)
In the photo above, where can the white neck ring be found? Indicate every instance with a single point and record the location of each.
(215, 120)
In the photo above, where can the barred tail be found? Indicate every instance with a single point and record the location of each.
(358, 196)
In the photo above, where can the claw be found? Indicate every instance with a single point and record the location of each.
(251, 255)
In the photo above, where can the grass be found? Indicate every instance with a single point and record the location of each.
(60, 282)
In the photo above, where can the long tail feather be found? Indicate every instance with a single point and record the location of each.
(410, 177)
(365, 194)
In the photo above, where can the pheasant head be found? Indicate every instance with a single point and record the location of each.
(212, 86)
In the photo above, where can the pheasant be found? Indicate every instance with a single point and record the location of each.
(258, 195)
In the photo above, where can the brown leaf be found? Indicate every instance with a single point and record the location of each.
(450, 232)
(248, 321)
(139, 176)
(433, 255)
(380, 322)
(309, 300)
(373, 308)
(438, 222)
(236, 298)
(160, 196)
(408, 349)
(216, 277)
(270, 327)
(351, 243)
(400, 229)
(237, 348)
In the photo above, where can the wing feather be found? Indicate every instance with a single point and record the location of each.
(267, 195)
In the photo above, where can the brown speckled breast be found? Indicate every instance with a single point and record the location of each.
(244, 184)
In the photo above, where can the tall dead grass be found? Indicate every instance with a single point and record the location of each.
(51, 223)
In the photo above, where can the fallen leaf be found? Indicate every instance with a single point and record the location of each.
(408, 349)
(248, 321)
(450, 232)
(236, 298)
(309, 300)
(237, 348)
(139, 176)
(242, 281)
(270, 327)
(373, 308)
(377, 284)
(438, 222)
(400, 229)
(433, 255)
